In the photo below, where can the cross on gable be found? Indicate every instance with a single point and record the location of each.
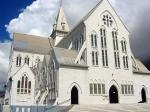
(107, 20)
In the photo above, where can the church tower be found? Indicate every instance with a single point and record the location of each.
(60, 28)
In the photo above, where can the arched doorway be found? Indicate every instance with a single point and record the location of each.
(143, 95)
(74, 95)
(113, 95)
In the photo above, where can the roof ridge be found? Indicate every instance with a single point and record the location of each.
(65, 49)
(36, 36)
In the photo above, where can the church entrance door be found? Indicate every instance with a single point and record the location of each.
(143, 95)
(74, 95)
(113, 95)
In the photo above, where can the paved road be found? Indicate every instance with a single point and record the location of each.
(102, 108)
(111, 108)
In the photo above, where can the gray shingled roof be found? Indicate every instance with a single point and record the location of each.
(30, 43)
(67, 57)
(139, 67)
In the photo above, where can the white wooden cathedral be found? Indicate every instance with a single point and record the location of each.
(91, 64)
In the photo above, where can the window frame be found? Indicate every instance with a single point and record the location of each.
(116, 48)
(18, 60)
(94, 39)
(23, 85)
(95, 57)
(104, 50)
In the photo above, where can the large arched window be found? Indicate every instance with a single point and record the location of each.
(27, 60)
(116, 48)
(94, 48)
(18, 60)
(104, 47)
(24, 85)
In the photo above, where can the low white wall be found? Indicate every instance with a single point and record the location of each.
(142, 81)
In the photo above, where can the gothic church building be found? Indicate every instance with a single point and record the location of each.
(91, 64)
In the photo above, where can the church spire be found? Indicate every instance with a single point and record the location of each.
(61, 22)
(61, 27)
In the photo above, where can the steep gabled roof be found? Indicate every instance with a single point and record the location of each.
(138, 66)
(31, 43)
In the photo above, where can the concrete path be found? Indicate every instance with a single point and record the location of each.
(102, 108)
(111, 108)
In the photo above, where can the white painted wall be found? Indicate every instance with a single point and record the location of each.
(69, 77)
(22, 99)
(107, 75)
(16, 72)
(142, 81)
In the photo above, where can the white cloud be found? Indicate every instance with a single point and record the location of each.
(4, 60)
(35, 19)
(38, 18)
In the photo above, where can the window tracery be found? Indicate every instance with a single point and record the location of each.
(24, 85)
(107, 19)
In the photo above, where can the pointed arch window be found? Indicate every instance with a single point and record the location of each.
(124, 45)
(125, 62)
(27, 60)
(94, 48)
(18, 60)
(94, 39)
(116, 49)
(107, 19)
(104, 47)
(94, 58)
(18, 86)
(24, 85)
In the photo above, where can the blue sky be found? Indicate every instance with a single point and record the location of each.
(10, 9)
